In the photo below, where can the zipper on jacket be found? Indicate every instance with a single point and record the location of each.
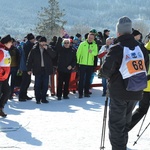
(88, 53)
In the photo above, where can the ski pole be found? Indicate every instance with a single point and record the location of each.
(141, 125)
(141, 134)
(104, 125)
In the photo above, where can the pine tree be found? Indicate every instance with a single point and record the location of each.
(50, 20)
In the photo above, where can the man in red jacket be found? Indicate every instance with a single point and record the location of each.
(5, 60)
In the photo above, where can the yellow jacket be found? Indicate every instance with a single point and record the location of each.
(83, 56)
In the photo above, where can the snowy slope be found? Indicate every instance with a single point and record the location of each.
(73, 124)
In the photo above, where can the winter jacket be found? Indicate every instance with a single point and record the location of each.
(66, 57)
(22, 65)
(27, 48)
(110, 69)
(103, 52)
(83, 56)
(15, 56)
(24, 49)
(5, 61)
(34, 60)
(104, 39)
(53, 46)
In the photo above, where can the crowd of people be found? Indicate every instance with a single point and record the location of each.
(35, 55)
(38, 56)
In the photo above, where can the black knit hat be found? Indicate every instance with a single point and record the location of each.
(30, 36)
(78, 35)
(86, 35)
(106, 30)
(6, 39)
(43, 39)
(38, 37)
(136, 32)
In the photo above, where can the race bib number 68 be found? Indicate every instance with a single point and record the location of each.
(135, 66)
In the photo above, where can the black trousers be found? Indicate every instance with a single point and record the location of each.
(120, 115)
(41, 85)
(13, 74)
(142, 110)
(26, 80)
(85, 73)
(4, 93)
(63, 84)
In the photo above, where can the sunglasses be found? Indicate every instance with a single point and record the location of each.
(66, 43)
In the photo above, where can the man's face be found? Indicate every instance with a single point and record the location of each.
(14, 43)
(43, 44)
(32, 41)
(137, 37)
(80, 38)
(91, 38)
(9, 44)
(107, 33)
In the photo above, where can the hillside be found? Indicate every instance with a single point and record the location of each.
(18, 17)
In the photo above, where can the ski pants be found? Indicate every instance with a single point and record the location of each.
(120, 114)
(141, 110)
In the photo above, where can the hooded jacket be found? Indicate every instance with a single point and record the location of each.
(112, 63)
(5, 61)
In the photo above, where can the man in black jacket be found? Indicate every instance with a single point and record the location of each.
(40, 63)
(125, 59)
(26, 78)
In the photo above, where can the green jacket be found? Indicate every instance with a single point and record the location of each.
(83, 56)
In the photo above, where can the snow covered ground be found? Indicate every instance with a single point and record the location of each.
(73, 124)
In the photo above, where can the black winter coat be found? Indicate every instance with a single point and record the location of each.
(34, 60)
(66, 57)
(112, 63)
(27, 48)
